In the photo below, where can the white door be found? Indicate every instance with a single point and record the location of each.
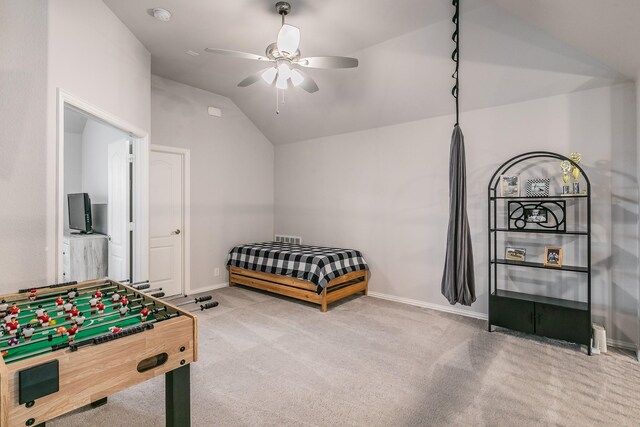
(118, 210)
(166, 219)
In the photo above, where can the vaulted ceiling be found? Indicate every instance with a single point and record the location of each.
(511, 51)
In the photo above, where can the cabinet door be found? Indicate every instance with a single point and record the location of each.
(512, 313)
(563, 323)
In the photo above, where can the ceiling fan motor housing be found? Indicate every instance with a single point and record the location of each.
(283, 8)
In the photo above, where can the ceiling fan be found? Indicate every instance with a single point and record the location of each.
(285, 57)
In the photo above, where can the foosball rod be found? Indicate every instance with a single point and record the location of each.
(195, 300)
(62, 345)
(110, 285)
(77, 305)
(54, 297)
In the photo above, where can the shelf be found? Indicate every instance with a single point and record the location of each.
(575, 233)
(540, 265)
(558, 196)
(576, 305)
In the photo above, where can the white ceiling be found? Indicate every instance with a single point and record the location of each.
(404, 49)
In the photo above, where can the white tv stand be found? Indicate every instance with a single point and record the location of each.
(84, 257)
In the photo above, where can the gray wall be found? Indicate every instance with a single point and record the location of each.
(384, 191)
(231, 173)
(23, 143)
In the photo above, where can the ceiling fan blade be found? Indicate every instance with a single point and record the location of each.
(288, 39)
(236, 54)
(328, 62)
(253, 78)
(307, 84)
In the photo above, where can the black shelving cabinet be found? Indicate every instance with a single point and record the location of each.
(564, 319)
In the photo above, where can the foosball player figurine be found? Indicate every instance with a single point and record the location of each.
(93, 303)
(45, 319)
(74, 313)
(33, 294)
(98, 294)
(13, 326)
(115, 297)
(115, 329)
(80, 319)
(72, 294)
(8, 317)
(144, 313)
(71, 332)
(4, 307)
(124, 301)
(14, 341)
(39, 311)
(123, 310)
(60, 303)
(27, 331)
(100, 307)
(15, 310)
(68, 306)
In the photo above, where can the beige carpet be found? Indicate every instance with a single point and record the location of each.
(267, 360)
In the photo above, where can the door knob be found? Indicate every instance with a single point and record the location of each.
(176, 232)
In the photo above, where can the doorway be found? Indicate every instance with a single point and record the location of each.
(169, 219)
(102, 194)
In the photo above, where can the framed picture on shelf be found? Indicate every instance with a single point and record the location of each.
(515, 254)
(537, 215)
(553, 256)
(509, 185)
(537, 187)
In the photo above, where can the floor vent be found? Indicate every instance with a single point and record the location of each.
(296, 240)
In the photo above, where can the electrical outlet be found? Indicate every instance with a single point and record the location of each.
(216, 272)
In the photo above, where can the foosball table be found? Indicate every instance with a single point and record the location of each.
(59, 342)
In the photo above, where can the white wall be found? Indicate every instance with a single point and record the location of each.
(23, 161)
(72, 169)
(95, 144)
(94, 57)
(384, 191)
(231, 173)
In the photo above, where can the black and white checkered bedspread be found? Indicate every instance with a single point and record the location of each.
(315, 264)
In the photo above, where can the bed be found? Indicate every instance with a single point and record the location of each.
(314, 274)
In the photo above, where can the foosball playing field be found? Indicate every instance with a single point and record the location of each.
(54, 341)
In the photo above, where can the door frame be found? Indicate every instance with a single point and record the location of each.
(140, 175)
(185, 153)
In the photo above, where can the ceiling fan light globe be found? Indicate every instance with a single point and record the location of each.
(296, 77)
(284, 70)
(281, 82)
(269, 75)
(288, 39)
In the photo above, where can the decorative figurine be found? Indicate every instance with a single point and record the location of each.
(27, 331)
(575, 158)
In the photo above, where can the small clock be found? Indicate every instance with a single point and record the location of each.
(537, 187)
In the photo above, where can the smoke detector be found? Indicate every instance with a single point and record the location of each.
(161, 14)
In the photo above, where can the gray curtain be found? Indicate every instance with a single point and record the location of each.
(458, 281)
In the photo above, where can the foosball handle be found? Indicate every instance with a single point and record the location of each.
(208, 305)
(203, 299)
(158, 295)
(141, 287)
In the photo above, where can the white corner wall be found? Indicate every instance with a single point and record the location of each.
(23, 143)
(93, 56)
(384, 191)
(231, 173)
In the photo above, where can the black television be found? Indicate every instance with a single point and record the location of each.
(80, 212)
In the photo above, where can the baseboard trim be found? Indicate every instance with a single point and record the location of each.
(208, 288)
(418, 303)
(625, 345)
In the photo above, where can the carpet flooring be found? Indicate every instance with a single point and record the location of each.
(271, 361)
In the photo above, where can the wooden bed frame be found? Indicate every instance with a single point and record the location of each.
(338, 288)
